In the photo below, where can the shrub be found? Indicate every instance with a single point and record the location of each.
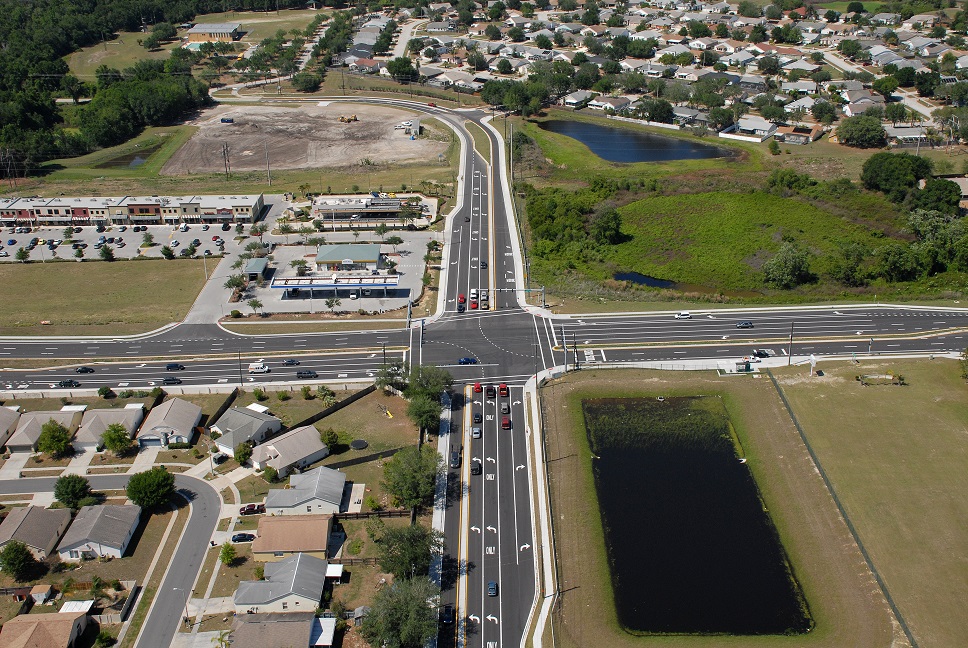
(236, 314)
(156, 393)
(104, 639)
(215, 434)
(372, 503)
(179, 446)
(260, 394)
(105, 392)
(307, 392)
(270, 474)
(283, 395)
(243, 452)
(125, 393)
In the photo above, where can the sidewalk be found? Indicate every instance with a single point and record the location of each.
(144, 461)
(11, 467)
(79, 463)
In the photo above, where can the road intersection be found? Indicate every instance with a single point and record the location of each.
(490, 523)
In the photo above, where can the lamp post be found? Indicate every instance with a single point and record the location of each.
(188, 593)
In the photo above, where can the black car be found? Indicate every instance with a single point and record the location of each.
(226, 227)
(476, 468)
(290, 362)
(171, 380)
(196, 242)
(243, 537)
(455, 459)
(447, 615)
(306, 373)
(483, 265)
(461, 308)
(68, 383)
(84, 370)
(174, 366)
(745, 324)
(220, 458)
(477, 417)
(761, 353)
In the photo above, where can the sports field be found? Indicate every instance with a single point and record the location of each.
(844, 600)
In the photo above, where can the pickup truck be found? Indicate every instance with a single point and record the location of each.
(252, 509)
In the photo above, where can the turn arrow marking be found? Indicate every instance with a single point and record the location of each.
(474, 618)
(516, 403)
(520, 467)
(474, 528)
(492, 460)
(491, 617)
(524, 546)
(492, 529)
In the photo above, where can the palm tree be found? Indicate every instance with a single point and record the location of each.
(304, 189)
(332, 303)
(286, 229)
(381, 230)
(255, 305)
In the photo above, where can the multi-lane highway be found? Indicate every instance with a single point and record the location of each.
(489, 530)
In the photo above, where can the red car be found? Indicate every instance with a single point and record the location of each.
(502, 389)
(477, 388)
(473, 305)
(252, 509)
(505, 422)
(431, 104)
(461, 299)
(216, 237)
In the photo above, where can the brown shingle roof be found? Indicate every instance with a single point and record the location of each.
(38, 630)
(290, 533)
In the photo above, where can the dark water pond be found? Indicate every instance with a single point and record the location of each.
(689, 545)
(625, 145)
(652, 282)
(130, 160)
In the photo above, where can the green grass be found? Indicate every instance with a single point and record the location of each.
(720, 238)
(97, 298)
(481, 141)
(897, 458)
(842, 6)
(120, 53)
(161, 141)
(259, 25)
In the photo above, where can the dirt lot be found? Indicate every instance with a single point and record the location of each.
(303, 137)
(844, 601)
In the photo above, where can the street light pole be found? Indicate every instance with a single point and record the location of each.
(188, 593)
(790, 353)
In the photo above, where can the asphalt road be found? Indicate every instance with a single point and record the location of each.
(186, 563)
(488, 523)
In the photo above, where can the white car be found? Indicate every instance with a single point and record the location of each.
(684, 315)
(4, 253)
(399, 127)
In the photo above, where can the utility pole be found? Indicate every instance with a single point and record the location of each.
(268, 174)
(564, 345)
(225, 159)
(790, 353)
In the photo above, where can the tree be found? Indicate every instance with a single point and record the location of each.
(504, 66)
(848, 261)
(17, 560)
(606, 224)
(54, 439)
(116, 439)
(411, 474)
(227, 554)
(429, 381)
(169, 253)
(824, 112)
(152, 488)
(381, 230)
(254, 304)
(307, 81)
(148, 240)
(234, 282)
(894, 174)
(332, 303)
(329, 437)
(400, 616)
(22, 255)
(940, 195)
(394, 241)
(270, 474)
(69, 490)
(855, 7)
(749, 9)
(401, 68)
(243, 452)
(885, 86)
(424, 412)
(392, 374)
(492, 32)
(405, 551)
(74, 87)
(862, 131)
(789, 268)
(895, 112)
(849, 48)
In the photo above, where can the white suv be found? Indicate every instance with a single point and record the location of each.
(683, 315)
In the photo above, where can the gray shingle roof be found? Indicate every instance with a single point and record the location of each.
(32, 423)
(288, 448)
(240, 424)
(176, 415)
(104, 524)
(322, 483)
(95, 422)
(300, 574)
(34, 526)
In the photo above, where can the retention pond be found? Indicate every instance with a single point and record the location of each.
(627, 145)
(690, 546)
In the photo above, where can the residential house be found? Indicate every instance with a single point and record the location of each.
(9, 418)
(436, 27)
(365, 66)
(616, 104)
(798, 134)
(919, 21)
(279, 537)
(578, 99)
(293, 584)
(804, 87)
(805, 103)
(174, 421)
(296, 448)
(96, 421)
(243, 425)
(885, 19)
(900, 136)
(739, 58)
(317, 491)
(55, 630)
(271, 630)
(31, 424)
(36, 527)
(99, 531)
(753, 83)
(683, 115)
(755, 126)
(803, 66)
(703, 44)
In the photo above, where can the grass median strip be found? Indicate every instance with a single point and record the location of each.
(481, 141)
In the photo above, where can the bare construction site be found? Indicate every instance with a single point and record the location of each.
(315, 136)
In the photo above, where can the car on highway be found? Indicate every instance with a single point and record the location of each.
(477, 388)
(475, 433)
(476, 468)
(490, 392)
(447, 615)
(68, 383)
(467, 361)
(84, 370)
(492, 588)
(461, 299)
(505, 422)
(484, 266)
(252, 509)
(761, 353)
(174, 366)
(467, 219)
(502, 390)
(431, 104)
(505, 408)
(461, 308)
(290, 362)
(455, 459)
(473, 304)
(171, 380)
(683, 315)
(477, 417)
(306, 374)
(243, 537)
(744, 324)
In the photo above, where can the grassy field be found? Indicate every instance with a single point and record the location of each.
(897, 457)
(97, 298)
(311, 327)
(721, 239)
(844, 601)
(120, 53)
(259, 25)
(161, 142)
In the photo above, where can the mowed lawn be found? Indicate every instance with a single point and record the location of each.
(120, 53)
(95, 297)
(898, 460)
(721, 239)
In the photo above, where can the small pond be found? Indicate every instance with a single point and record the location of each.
(131, 160)
(627, 145)
(690, 548)
(651, 282)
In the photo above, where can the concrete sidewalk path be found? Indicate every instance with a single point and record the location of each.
(11, 467)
